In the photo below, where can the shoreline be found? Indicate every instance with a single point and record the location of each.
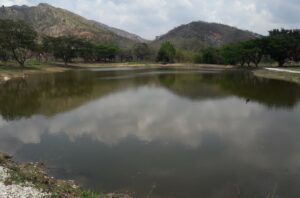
(12, 72)
(32, 180)
(278, 75)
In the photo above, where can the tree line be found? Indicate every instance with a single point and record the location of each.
(19, 41)
(281, 46)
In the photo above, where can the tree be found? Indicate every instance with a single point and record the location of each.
(211, 56)
(232, 54)
(106, 52)
(283, 45)
(244, 52)
(64, 47)
(141, 51)
(125, 54)
(254, 50)
(18, 38)
(86, 50)
(279, 48)
(4, 54)
(166, 53)
(257, 50)
(184, 56)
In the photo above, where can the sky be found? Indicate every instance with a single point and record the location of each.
(150, 18)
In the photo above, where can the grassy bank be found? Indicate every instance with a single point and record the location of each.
(34, 176)
(11, 70)
(149, 65)
(290, 77)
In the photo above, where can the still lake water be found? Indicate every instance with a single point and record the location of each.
(158, 132)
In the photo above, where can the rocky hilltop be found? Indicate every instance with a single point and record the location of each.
(197, 35)
(52, 21)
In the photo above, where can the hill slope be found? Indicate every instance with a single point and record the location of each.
(52, 21)
(198, 35)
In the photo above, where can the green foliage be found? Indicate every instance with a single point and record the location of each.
(184, 56)
(106, 52)
(68, 48)
(198, 58)
(16, 38)
(253, 50)
(65, 48)
(142, 51)
(250, 51)
(211, 56)
(233, 54)
(4, 54)
(281, 45)
(166, 53)
(284, 45)
(86, 51)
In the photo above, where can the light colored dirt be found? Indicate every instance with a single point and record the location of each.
(17, 191)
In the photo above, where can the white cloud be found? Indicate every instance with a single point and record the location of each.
(114, 118)
(14, 2)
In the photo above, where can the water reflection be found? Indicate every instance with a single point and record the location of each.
(169, 135)
(52, 94)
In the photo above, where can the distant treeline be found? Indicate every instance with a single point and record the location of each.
(280, 46)
(19, 42)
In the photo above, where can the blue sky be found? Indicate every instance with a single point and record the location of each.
(150, 18)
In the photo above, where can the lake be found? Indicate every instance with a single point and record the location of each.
(158, 132)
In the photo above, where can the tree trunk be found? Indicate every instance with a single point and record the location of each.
(21, 62)
(280, 63)
(66, 62)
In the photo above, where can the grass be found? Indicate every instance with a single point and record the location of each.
(12, 70)
(30, 64)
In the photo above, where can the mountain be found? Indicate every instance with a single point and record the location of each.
(52, 21)
(198, 35)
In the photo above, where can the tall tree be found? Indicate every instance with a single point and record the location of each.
(86, 50)
(106, 52)
(282, 45)
(232, 54)
(64, 47)
(4, 54)
(254, 50)
(166, 53)
(18, 38)
(142, 51)
(211, 56)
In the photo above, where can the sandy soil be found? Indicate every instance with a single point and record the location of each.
(17, 191)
